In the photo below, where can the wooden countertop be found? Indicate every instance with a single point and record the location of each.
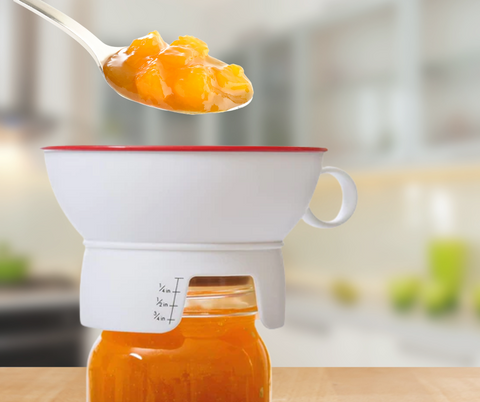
(289, 385)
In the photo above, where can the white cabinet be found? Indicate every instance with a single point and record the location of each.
(379, 83)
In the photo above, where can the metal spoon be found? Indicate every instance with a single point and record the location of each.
(97, 49)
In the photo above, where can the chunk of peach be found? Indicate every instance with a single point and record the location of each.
(150, 85)
(232, 79)
(176, 56)
(199, 46)
(119, 73)
(193, 87)
(149, 45)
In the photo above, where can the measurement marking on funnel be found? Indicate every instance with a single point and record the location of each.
(157, 316)
(174, 297)
(161, 303)
(162, 289)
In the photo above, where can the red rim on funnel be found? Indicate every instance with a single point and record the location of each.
(180, 148)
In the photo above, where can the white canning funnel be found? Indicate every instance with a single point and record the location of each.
(154, 217)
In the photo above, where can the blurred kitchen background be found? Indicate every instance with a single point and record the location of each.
(391, 87)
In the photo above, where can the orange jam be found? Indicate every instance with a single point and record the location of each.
(181, 77)
(214, 355)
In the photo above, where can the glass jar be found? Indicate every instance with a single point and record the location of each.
(214, 355)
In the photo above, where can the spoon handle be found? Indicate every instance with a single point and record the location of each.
(97, 49)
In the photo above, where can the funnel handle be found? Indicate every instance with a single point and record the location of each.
(349, 200)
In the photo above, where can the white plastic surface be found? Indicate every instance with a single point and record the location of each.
(349, 201)
(144, 291)
(183, 197)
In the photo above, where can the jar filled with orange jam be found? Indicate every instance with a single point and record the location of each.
(214, 355)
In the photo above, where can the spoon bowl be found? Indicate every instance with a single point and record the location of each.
(99, 51)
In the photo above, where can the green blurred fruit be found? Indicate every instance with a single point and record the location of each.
(439, 298)
(404, 292)
(476, 299)
(448, 261)
(13, 269)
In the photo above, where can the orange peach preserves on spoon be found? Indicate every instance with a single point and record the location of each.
(181, 77)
